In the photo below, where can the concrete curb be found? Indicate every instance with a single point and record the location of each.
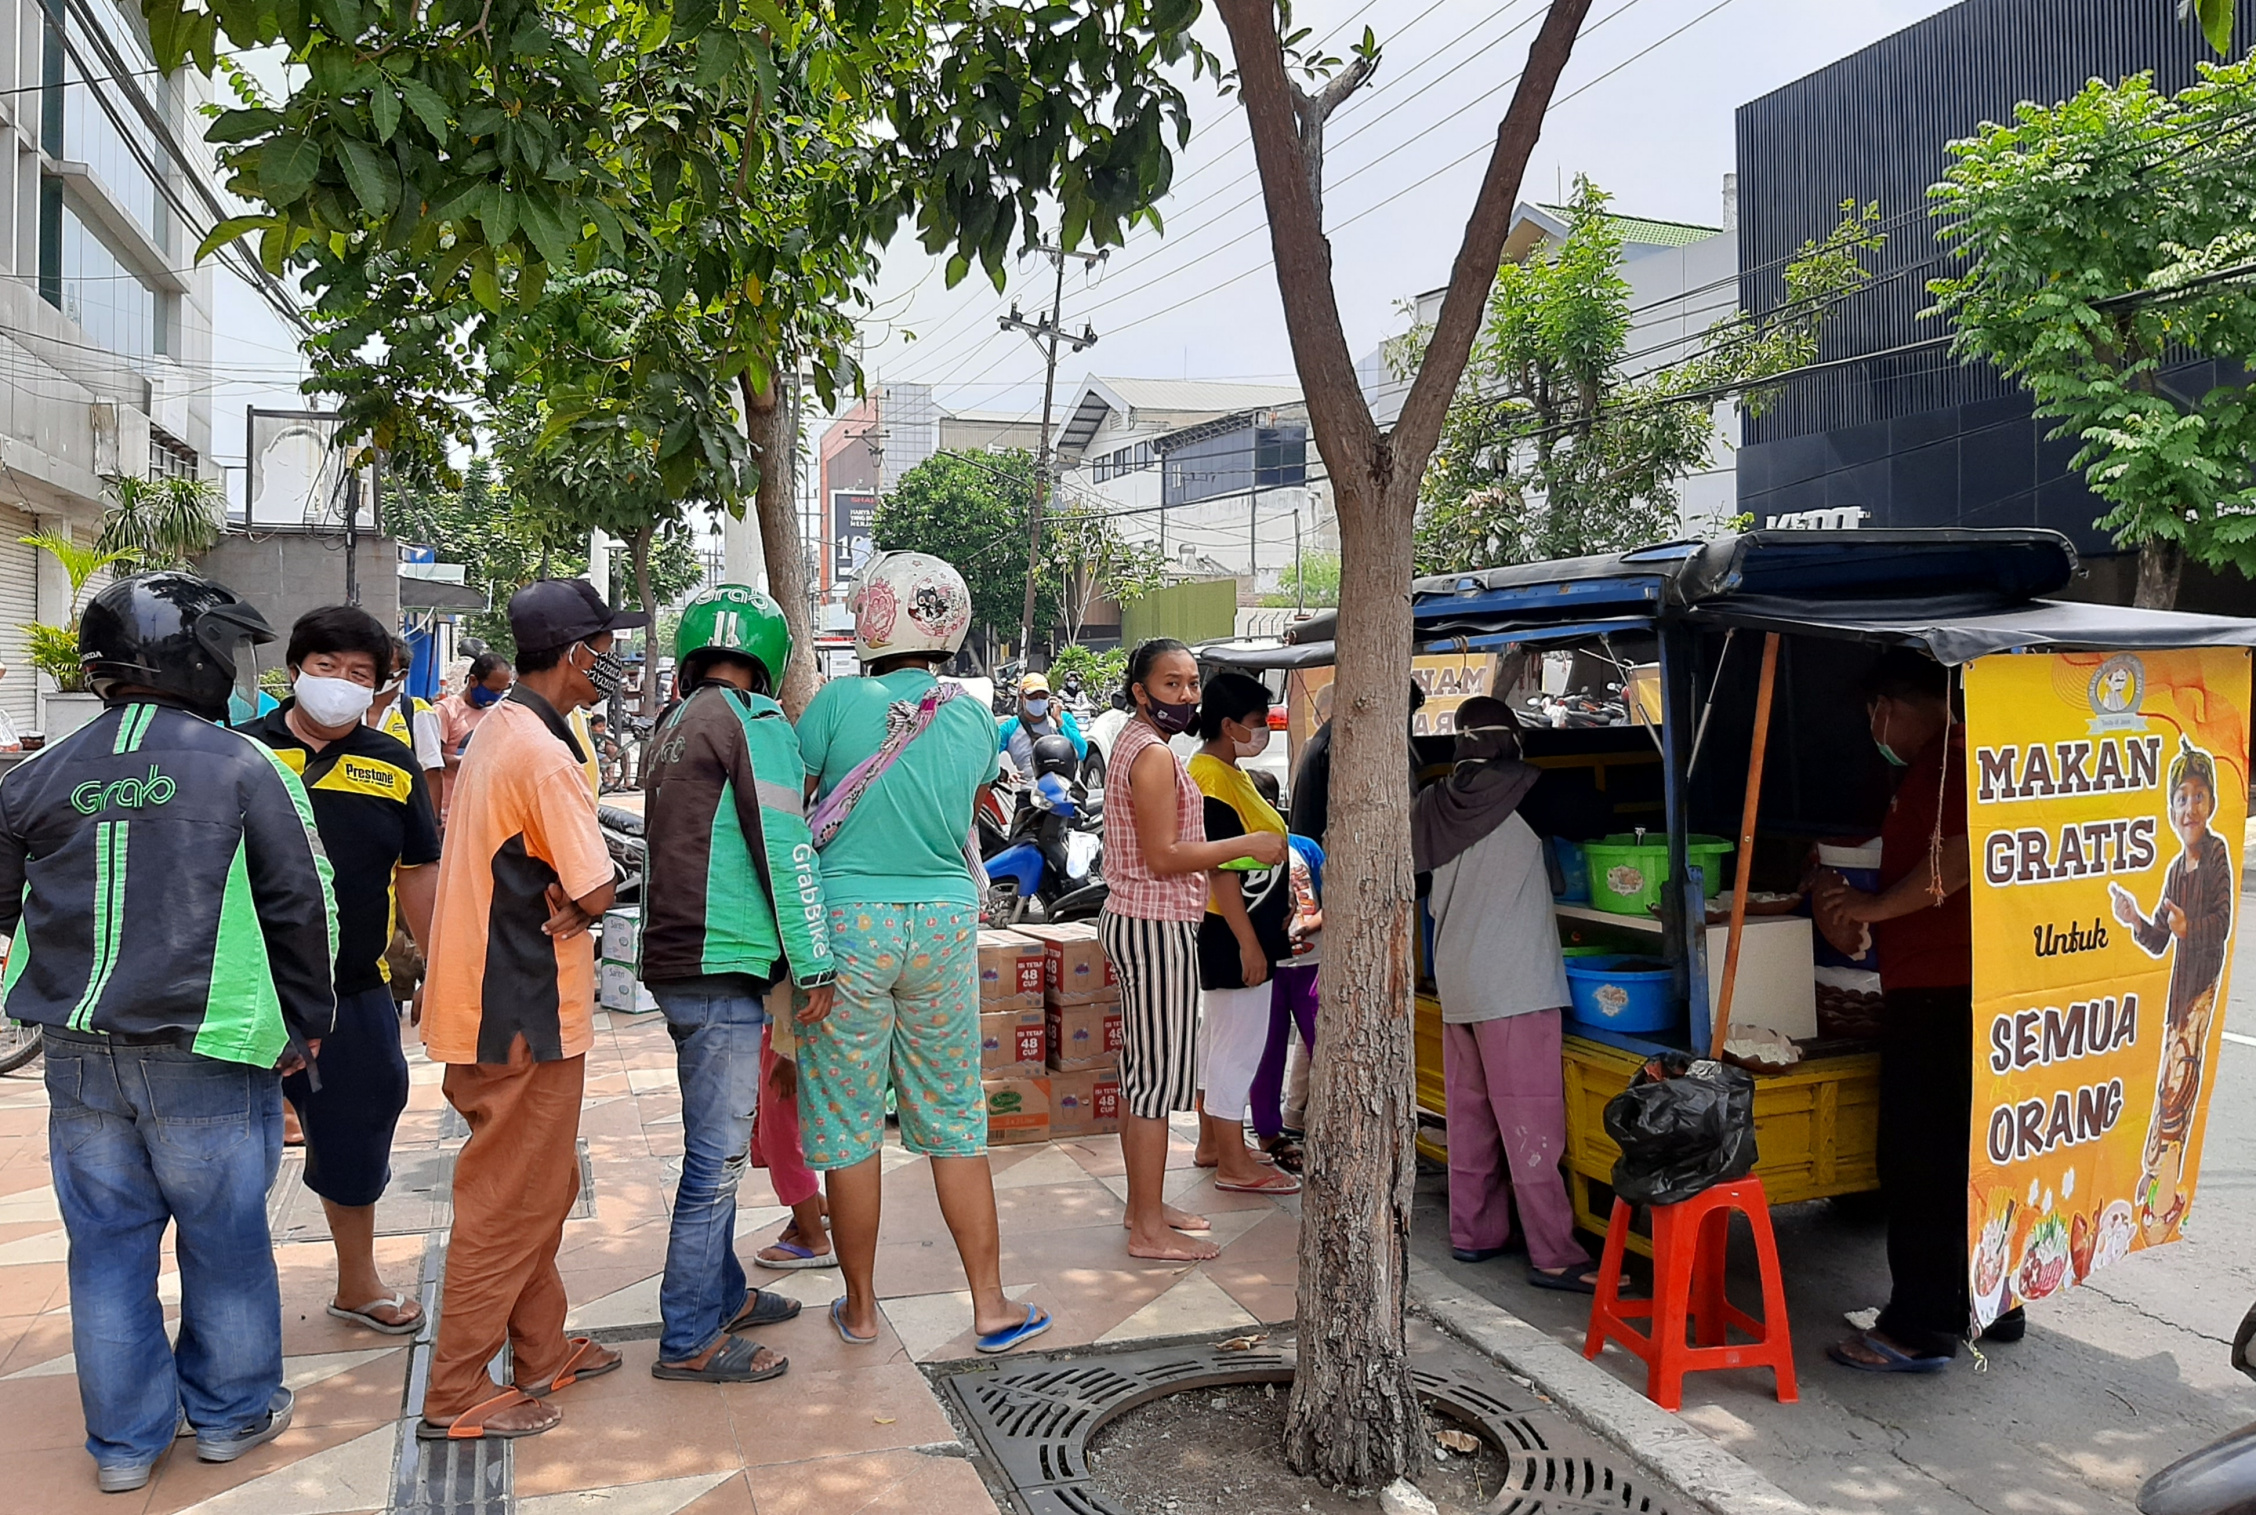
(1665, 1448)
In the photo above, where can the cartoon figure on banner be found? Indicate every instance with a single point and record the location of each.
(2193, 920)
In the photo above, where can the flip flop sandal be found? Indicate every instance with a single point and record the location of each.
(471, 1425)
(1037, 1321)
(571, 1373)
(764, 1309)
(1276, 1186)
(799, 1257)
(731, 1364)
(360, 1315)
(1569, 1282)
(1894, 1360)
(1288, 1156)
(838, 1324)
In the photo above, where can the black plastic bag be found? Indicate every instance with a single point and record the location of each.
(1682, 1125)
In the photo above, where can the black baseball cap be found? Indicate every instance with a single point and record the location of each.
(552, 613)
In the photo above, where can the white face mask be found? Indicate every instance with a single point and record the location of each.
(1257, 744)
(331, 702)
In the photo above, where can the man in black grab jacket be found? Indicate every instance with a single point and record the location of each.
(173, 928)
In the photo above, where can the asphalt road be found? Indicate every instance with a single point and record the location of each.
(2115, 1379)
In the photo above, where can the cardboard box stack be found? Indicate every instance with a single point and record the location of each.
(1011, 1031)
(617, 952)
(1081, 1012)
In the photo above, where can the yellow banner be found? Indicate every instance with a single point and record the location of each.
(2106, 795)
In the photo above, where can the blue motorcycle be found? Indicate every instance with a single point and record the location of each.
(1052, 859)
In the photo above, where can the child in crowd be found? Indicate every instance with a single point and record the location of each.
(1280, 1085)
(805, 1242)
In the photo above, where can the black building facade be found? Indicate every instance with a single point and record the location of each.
(1917, 438)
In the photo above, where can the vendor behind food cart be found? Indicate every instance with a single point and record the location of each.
(1503, 986)
(1921, 929)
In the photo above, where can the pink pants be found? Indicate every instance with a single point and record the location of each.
(775, 1135)
(1507, 1132)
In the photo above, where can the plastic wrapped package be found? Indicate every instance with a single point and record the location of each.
(1682, 1126)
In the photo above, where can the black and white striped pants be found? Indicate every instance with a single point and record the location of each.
(1157, 964)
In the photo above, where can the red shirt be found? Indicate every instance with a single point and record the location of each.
(1933, 947)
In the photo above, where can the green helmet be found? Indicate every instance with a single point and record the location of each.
(739, 619)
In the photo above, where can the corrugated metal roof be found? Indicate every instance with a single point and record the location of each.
(1648, 231)
(1200, 394)
(1188, 401)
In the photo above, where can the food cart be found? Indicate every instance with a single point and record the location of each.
(1690, 640)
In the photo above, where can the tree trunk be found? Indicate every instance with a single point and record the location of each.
(2159, 565)
(1354, 1420)
(771, 423)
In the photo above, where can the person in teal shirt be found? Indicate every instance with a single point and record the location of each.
(904, 932)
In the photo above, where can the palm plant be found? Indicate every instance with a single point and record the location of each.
(53, 649)
(164, 522)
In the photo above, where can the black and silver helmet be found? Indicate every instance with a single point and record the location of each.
(177, 633)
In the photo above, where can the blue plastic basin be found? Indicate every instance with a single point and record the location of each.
(1622, 992)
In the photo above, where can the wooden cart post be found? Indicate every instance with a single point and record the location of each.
(1746, 862)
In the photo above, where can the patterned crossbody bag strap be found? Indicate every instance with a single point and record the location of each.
(903, 724)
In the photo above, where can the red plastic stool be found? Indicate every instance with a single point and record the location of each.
(1688, 1266)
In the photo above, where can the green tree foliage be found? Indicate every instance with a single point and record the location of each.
(1557, 445)
(1092, 560)
(1101, 672)
(2108, 238)
(436, 162)
(972, 511)
(504, 546)
(162, 522)
(1314, 581)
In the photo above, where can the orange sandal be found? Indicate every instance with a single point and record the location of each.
(471, 1425)
(571, 1373)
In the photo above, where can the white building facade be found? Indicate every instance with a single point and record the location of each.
(1222, 478)
(105, 322)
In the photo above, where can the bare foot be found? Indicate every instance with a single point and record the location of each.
(1179, 1220)
(383, 1311)
(527, 1419)
(762, 1358)
(1170, 1247)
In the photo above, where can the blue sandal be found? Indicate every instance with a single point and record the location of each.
(838, 1323)
(1897, 1360)
(1037, 1321)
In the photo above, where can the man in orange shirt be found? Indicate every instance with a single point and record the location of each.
(509, 1008)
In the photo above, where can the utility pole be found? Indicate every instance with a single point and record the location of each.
(1300, 584)
(1045, 334)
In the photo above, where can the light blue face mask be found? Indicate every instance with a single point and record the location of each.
(239, 709)
(1894, 758)
(1037, 709)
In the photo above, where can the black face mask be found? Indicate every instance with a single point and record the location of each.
(1173, 719)
(606, 673)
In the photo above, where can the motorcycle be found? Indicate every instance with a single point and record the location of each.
(2220, 1478)
(623, 839)
(1050, 856)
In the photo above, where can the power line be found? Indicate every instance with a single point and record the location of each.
(963, 356)
(1261, 226)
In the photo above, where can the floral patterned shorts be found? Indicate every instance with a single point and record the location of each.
(906, 1014)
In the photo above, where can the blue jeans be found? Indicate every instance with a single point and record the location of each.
(139, 1136)
(715, 1023)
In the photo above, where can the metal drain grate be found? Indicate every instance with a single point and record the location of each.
(1550, 1484)
(1033, 1421)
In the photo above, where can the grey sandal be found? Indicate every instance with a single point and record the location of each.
(732, 1363)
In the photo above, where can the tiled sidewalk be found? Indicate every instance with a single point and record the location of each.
(848, 1429)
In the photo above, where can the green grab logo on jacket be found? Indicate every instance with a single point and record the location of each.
(93, 796)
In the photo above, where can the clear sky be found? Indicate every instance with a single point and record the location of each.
(1645, 108)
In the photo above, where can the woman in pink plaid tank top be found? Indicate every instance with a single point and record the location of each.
(1156, 861)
